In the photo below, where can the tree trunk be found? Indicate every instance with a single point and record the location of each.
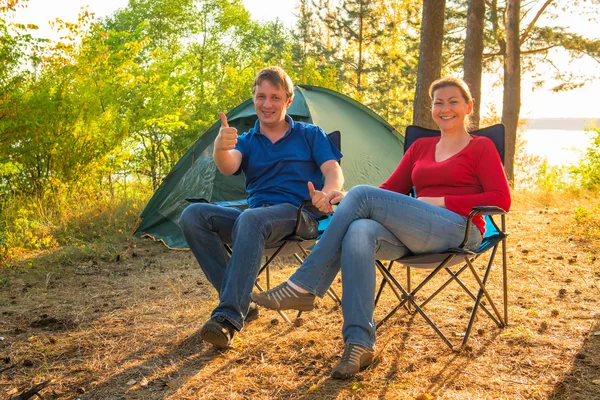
(430, 59)
(511, 103)
(474, 54)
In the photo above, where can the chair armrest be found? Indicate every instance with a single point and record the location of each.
(196, 200)
(235, 203)
(479, 210)
(487, 210)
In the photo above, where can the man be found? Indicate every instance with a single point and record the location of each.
(283, 162)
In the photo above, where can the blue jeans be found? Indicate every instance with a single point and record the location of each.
(375, 223)
(207, 227)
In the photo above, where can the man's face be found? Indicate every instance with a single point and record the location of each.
(270, 103)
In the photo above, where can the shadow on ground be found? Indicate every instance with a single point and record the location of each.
(582, 382)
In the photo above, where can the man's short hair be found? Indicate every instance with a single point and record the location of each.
(278, 77)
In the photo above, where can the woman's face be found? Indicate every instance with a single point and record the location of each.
(450, 108)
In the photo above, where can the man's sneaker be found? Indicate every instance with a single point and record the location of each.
(354, 359)
(218, 331)
(284, 297)
(253, 312)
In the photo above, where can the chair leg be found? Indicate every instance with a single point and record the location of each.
(482, 283)
(331, 293)
(268, 276)
(454, 276)
(383, 282)
(303, 250)
(504, 272)
(268, 273)
(298, 258)
(410, 298)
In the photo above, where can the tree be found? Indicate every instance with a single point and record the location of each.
(393, 77)
(473, 54)
(511, 101)
(430, 59)
(546, 51)
(357, 27)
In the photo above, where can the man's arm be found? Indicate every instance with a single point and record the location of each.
(227, 158)
(334, 180)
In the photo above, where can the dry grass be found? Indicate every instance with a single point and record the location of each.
(127, 329)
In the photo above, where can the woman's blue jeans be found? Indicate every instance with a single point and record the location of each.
(375, 223)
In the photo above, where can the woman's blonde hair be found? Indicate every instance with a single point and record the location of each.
(457, 83)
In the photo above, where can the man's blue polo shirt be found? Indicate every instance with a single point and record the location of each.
(278, 172)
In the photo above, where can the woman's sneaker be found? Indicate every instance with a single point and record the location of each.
(253, 312)
(354, 359)
(284, 297)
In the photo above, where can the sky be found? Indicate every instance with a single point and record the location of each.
(540, 103)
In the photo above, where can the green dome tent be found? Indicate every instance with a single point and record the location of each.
(372, 149)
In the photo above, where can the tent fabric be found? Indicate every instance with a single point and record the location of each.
(372, 149)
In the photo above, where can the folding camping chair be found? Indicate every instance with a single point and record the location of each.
(286, 246)
(494, 237)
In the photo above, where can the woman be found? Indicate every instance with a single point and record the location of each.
(452, 174)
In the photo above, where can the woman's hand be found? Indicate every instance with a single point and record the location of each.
(434, 201)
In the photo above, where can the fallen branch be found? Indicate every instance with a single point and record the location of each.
(7, 368)
(31, 392)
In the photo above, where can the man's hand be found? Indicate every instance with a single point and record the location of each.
(227, 137)
(335, 197)
(324, 201)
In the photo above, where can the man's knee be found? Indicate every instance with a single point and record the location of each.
(250, 222)
(193, 215)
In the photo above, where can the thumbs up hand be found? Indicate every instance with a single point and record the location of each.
(325, 202)
(227, 137)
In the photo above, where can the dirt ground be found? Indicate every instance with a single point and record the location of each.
(128, 329)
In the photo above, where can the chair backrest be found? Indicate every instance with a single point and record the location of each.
(493, 132)
(336, 138)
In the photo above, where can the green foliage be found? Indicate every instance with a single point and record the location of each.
(539, 40)
(552, 177)
(368, 50)
(113, 104)
(69, 218)
(587, 172)
(585, 175)
(587, 220)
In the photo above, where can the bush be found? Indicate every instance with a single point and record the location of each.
(68, 217)
(588, 170)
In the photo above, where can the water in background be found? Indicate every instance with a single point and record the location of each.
(560, 147)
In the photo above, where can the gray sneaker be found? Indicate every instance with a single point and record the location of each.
(284, 297)
(253, 312)
(354, 359)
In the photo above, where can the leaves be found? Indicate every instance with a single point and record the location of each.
(425, 396)
(314, 388)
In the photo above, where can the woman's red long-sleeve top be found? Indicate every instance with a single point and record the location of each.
(472, 177)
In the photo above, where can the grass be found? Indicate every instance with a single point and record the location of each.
(121, 321)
